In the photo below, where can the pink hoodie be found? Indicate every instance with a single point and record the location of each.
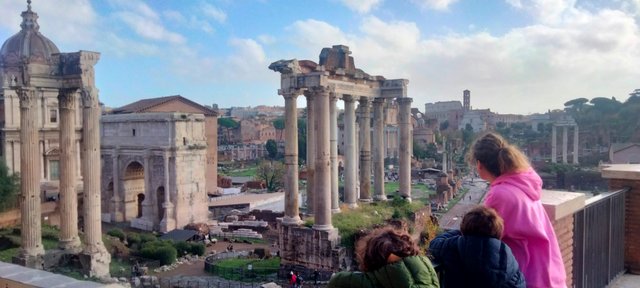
(527, 229)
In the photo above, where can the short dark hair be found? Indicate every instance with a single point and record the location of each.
(373, 250)
(482, 221)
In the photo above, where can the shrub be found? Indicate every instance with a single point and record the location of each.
(118, 233)
(197, 249)
(182, 247)
(166, 254)
(159, 250)
(133, 239)
(146, 237)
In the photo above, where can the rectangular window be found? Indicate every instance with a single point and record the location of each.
(54, 170)
(53, 115)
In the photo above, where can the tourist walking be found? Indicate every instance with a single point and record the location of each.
(514, 192)
(474, 256)
(292, 280)
(388, 258)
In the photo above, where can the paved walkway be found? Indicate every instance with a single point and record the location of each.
(626, 281)
(452, 218)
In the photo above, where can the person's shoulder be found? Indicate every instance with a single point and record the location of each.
(349, 279)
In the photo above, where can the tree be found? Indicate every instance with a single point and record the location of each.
(229, 124)
(419, 150)
(272, 173)
(444, 125)
(576, 104)
(279, 125)
(9, 188)
(302, 140)
(272, 148)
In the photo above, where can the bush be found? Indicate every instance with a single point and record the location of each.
(133, 239)
(146, 237)
(197, 249)
(183, 248)
(118, 233)
(159, 250)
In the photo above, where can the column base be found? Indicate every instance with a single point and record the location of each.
(30, 261)
(336, 210)
(96, 264)
(352, 205)
(324, 227)
(290, 221)
(71, 246)
(367, 200)
(380, 197)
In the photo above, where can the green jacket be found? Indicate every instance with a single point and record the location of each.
(414, 271)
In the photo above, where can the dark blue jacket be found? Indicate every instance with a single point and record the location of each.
(474, 261)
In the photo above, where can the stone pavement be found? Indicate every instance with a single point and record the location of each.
(626, 281)
(477, 188)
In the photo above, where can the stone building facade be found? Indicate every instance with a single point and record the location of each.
(154, 170)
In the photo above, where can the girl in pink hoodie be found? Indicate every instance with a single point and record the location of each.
(515, 194)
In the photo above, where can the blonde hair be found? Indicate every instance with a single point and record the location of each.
(497, 155)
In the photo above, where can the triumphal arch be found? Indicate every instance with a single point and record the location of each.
(32, 73)
(335, 78)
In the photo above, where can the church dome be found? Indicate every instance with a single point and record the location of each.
(28, 44)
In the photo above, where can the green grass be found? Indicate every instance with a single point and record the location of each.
(252, 240)
(390, 187)
(246, 172)
(7, 254)
(119, 268)
(237, 269)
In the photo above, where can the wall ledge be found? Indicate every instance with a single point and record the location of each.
(559, 204)
(621, 171)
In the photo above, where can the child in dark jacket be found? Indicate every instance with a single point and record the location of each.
(475, 256)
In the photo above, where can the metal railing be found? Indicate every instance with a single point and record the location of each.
(598, 243)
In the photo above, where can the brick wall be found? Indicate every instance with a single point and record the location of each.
(632, 223)
(564, 233)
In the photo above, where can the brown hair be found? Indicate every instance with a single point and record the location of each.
(497, 155)
(373, 250)
(482, 221)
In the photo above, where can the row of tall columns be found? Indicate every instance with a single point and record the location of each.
(565, 139)
(365, 149)
(322, 176)
(69, 240)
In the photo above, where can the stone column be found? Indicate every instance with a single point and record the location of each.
(69, 239)
(333, 142)
(322, 209)
(565, 140)
(365, 150)
(350, 159)
(291, 189)
(95, 258)
(554, 146)
(168, 222)
(406, 146)
(378, 150)
(311, 152)
(116, 201)
(576, 144)
(31, 249)
(147, 204)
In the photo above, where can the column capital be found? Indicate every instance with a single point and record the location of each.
(404, 100)
(67, 98)
(378, 101)
(333, 97)
(89, 97)
(364, 100)
(319, 90)
(348, 98)
(27, 96)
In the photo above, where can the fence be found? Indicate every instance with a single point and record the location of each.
(598, 252)
(211, 282)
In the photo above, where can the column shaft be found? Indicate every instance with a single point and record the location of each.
(406, 146)
(93, 246)
(67, 104)
(322, 209)
(554, 147)
(378, 150)
(365, 150)
(333, 142)
(576, 144)
(565, 139)
(31, 249)
(116, 201)
(291, 190)
(168, 222)
(311, 152)
(350, 159)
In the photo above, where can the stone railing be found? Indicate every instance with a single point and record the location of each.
(584, 225)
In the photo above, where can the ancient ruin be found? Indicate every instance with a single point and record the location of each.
(154, 170)
(32, 70)
(335, 77)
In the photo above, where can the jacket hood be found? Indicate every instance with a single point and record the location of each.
(529, 182)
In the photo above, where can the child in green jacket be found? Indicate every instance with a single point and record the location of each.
(388, 258)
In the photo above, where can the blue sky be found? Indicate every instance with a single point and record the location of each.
(516, 56)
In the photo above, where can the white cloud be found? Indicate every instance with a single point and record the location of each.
(440, 5)
(546, 11)
(361, 6)
(213, 12)
(266, 39)
(149, 28)
(528, 69)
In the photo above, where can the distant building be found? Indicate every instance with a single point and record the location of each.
(479, 120)
(625, 153)
(178, 103)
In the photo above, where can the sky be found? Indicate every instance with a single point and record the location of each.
(516, 56)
